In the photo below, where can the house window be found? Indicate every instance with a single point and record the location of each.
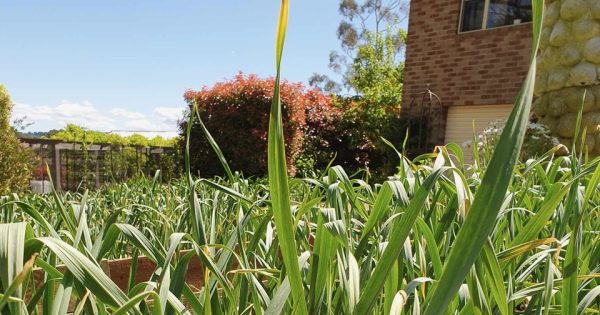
(484, 14)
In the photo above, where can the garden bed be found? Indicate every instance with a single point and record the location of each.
(118, 271)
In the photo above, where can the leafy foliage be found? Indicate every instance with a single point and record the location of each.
(376, 74)
(371, 65)
(14, 159)
(320, 128)
(236, 113)
(360, 131)
(372, 43)
(377, 77)
(331, 223)
(78, 134)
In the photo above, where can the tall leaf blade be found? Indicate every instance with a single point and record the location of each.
(12, 243)
(86, 271)
(214, 146)
(488, 200)
(278, 178)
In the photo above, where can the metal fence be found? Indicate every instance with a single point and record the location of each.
(74, 166)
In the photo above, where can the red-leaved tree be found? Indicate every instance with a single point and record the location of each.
(236, 113)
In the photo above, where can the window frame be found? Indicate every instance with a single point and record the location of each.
(486, 8)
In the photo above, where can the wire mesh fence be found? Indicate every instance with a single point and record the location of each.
(75, 166)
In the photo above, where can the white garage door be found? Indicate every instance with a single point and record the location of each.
(459, 125)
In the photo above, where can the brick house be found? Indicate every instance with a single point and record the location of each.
(473, 54)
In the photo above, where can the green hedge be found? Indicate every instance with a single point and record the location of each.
(15, 166)
(318, 128)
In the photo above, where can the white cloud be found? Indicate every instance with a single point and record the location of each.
(169, 115)
(84, 114)
(121, 112)
(163, 121)
(150, 134)
(141, 124)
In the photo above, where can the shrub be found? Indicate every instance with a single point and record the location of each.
(362, 126)
(317, 128)
(14, 159)
(236, 112)
(323, 137)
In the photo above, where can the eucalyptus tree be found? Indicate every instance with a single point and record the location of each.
(366, 25)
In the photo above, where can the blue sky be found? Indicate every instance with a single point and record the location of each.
(124, 65)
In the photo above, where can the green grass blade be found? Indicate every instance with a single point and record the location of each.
(12, 244)
(63, 295)
(432, 249)
(324, 250)
(283, 291)
(134, 301)
(209, 264)
(494, 278)
(380, 208)
(59, 204)
(215, 146)
(490, 196)
(570, 271)
(14, 287)
(37, 216)
(390, 290)
(400, 231)
(195, 211)
(140, 241)
(547, 294)
(353, 282)
(278, 179)
(588, 299)
(279, 298)
(536, 224)
(84, 270)
(224, 189)
(515, 251)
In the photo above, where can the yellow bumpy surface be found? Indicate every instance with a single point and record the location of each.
(568, 64)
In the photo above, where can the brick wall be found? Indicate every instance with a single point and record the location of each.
(474, 68)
